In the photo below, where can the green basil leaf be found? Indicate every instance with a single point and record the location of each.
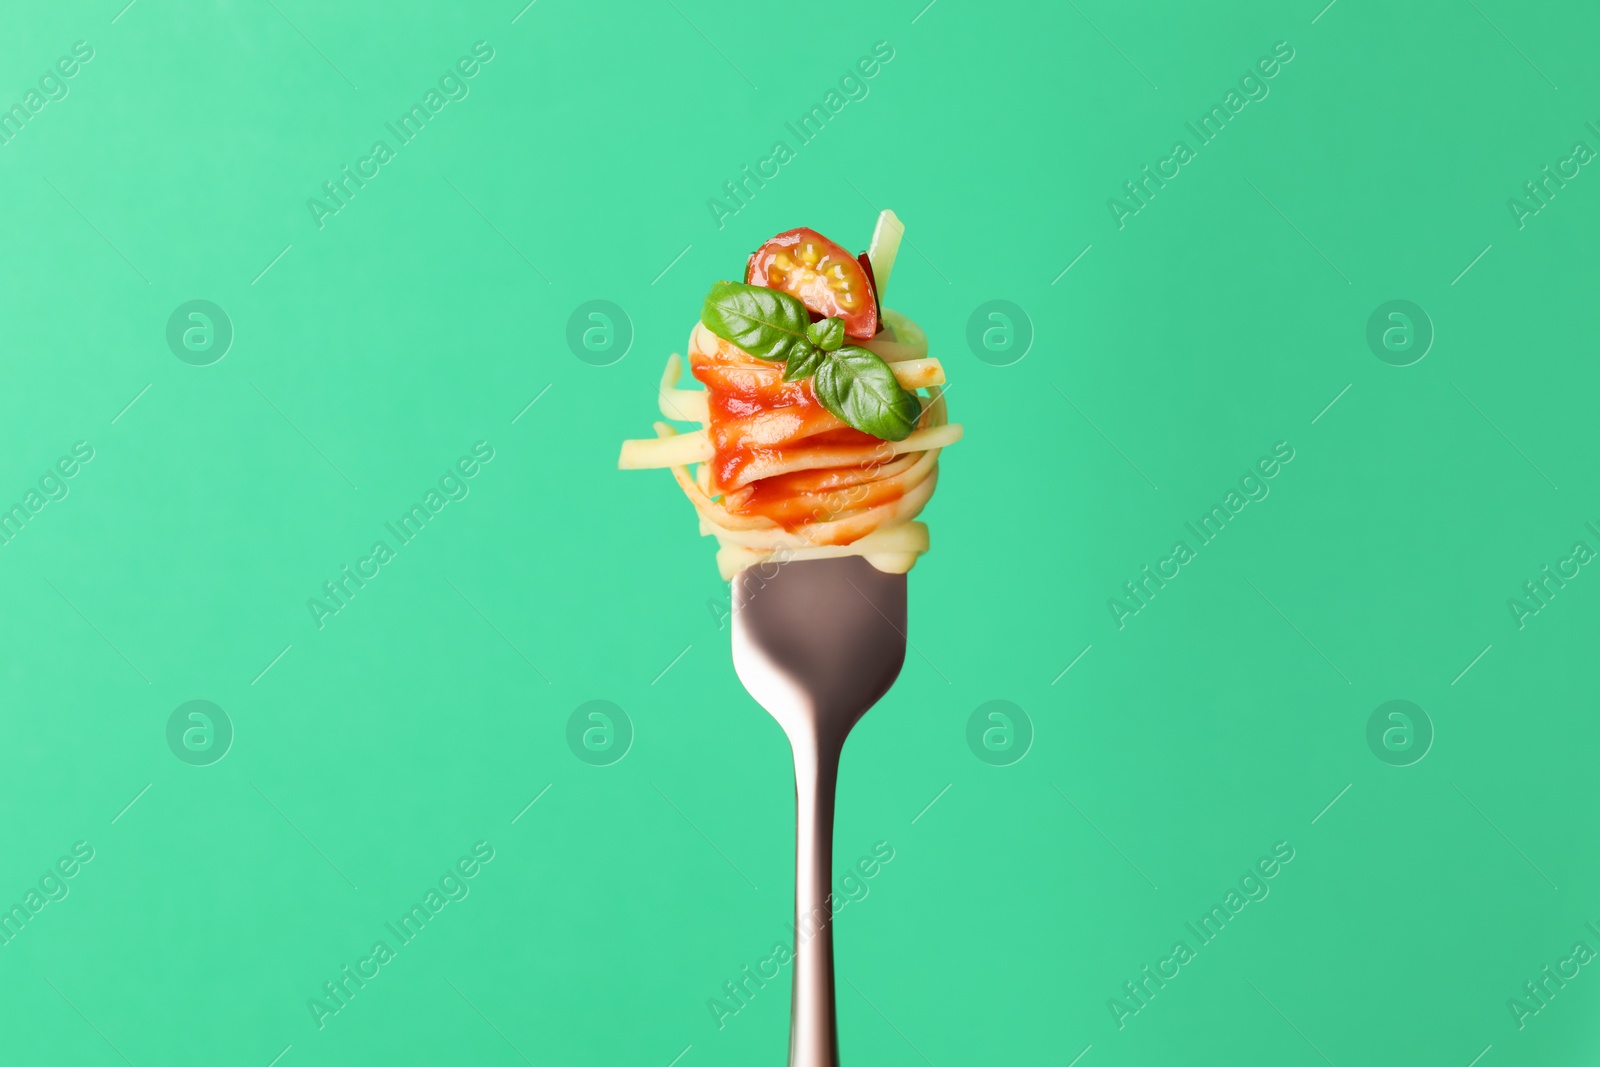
(803, 364)
(827, 334)
(764, 322)
(860, 389)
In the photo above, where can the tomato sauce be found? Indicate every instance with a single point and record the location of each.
(757, 416)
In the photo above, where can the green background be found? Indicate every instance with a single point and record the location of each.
(370, 354)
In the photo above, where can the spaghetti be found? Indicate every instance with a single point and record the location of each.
(775, 475)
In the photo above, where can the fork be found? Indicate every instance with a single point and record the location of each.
(817, 642)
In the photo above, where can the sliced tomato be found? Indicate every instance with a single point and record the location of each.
(823, 276)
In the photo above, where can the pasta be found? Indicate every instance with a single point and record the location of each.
(775, 475)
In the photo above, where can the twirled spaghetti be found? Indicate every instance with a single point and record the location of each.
(775, 475)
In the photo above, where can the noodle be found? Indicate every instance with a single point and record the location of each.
(778, 477)
(773, 474)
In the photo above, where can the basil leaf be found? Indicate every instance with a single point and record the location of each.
(764, 322)
(803, 364)
(860, 389)
(827, 334)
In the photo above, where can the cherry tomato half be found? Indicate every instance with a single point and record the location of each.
(823, 276)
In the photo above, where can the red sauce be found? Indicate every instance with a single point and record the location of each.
(785, 498)
(757, 418)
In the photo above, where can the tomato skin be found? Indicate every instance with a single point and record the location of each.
(822, 275)
(872, 279)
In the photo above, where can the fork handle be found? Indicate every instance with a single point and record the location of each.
(813, 1032)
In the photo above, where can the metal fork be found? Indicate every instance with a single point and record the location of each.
(817, 643)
